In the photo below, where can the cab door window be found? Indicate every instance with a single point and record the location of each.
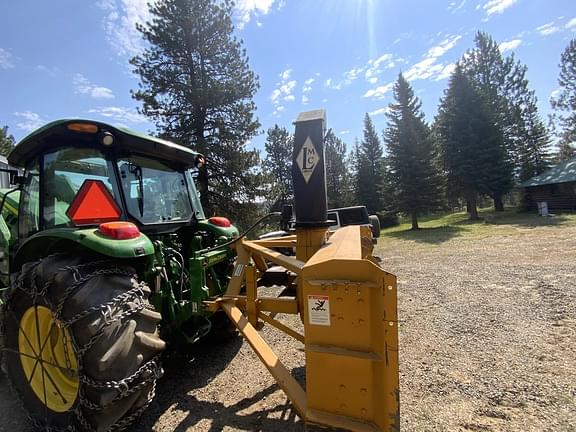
(64, 173)
(29, 212)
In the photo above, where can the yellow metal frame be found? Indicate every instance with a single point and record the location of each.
(48, 359)
(348, 306)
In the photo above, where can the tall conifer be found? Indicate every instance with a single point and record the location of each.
(197, 87)
(415, 183)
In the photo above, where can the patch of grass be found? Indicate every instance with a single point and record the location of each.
(437, 229)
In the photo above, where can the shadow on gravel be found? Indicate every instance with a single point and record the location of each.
(185, 373)
(428, 235)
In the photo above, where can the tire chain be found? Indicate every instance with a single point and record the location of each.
(152, 367)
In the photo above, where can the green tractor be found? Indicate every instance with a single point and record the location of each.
(106, 254)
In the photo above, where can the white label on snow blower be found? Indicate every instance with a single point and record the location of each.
(319, 310)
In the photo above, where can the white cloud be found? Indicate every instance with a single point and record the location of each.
(278, 110)
(371, 70)
(85, 87)
(30, 120)
(344, 132)
(332, 85)
(509, 45)
(51, 71)
(305, 99)
(119, 114)
(286, 74)
(571, 25)
(120, 24)
(454, 7)
(246, 9)
(548, 29)
(428, 68)
(446, 72)
(6, 59)
(379, 111)
(308, 85)
(379, 92)
(121, 17)
(353, 74)
(497, 6)
(284, 91)
(377, 66)
(444, 46)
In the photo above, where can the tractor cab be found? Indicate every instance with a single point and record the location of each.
(82, 173)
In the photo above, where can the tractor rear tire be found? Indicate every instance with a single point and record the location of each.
(81, 343)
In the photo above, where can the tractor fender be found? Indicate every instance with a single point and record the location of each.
(69, 240)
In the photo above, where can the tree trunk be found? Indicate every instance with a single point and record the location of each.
(415, 221)
(468, 206)
(498, 204)
(471, 200)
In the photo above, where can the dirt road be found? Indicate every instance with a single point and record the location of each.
(487, 334)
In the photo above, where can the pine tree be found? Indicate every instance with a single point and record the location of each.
(533, 155)
(565, 104)
(368, 176)
(502, 83)
(278, 164)
(7, 141)
(338, 187)
(196, 86)
(415, 182)
(471, 141)
(354, 163)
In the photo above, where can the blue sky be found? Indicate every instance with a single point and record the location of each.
(66, 58)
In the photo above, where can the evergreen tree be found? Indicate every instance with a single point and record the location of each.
(414, 180)
(338, 181)
(7, 141)
(565, 104)
(196, 86)
(354, 163)
(368, 176)
(278, 165)
(502, 83)
(533, 155)
(471, 141)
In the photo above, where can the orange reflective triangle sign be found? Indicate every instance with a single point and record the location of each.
(93, 204)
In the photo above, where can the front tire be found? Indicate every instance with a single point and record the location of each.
(81, 343)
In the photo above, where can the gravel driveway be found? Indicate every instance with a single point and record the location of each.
(487, 334)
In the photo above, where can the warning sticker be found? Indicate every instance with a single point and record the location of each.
(319, 310)
(307, 159)
(238, 270)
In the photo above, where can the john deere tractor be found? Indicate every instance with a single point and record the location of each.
(103, 236)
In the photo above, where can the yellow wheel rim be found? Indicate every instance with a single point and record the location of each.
(48, 359)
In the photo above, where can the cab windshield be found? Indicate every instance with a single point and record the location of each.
(155, 192)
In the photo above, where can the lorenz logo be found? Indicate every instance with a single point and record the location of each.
(319, 306)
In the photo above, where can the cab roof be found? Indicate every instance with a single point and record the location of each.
(57, 134)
